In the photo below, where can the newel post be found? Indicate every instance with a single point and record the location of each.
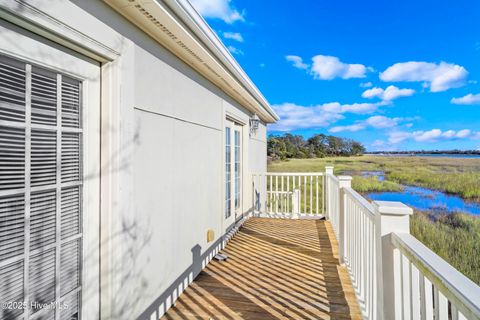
(328, 197)
(389, 217)
(344, 182)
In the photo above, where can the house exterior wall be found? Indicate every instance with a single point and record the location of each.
(162, 164)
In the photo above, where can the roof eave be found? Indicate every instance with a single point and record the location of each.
(176, 25)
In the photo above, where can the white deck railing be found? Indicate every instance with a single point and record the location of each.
(394, 275)
(290, 194)
(359, 248)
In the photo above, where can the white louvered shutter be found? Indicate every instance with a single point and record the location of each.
(40, 192)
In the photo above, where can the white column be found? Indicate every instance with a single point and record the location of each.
(389, 217)
(328, 198)
(344, 182)
(295, 203)
(329, 169)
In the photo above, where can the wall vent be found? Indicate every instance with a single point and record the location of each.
(165, 30)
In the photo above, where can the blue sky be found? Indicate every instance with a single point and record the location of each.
(394, 75)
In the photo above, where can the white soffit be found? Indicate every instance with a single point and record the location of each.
(157, 20)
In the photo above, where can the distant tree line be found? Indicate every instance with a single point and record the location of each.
(455, 151)
(319, 146)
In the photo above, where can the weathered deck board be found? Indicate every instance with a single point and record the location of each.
(277, 269)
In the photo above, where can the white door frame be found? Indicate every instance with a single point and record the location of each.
(236, 209)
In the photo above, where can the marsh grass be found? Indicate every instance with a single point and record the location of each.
(454, 237)
(372, 184)
(452, 175)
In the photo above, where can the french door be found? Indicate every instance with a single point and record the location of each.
(49, 145)
(233, 172)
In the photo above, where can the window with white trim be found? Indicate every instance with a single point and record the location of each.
(40, 192)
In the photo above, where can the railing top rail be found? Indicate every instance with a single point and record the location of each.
(333, 177)
(457, 288)
(291, 173)
(360, 200)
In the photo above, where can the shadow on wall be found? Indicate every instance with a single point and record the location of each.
(171, 294)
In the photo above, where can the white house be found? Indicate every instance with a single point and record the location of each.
(126, 146)
(133, 146)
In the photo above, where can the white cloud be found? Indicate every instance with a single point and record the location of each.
(389, 94)
(297, 62)
(395, 137)
(357, 108)
(366, 85)
(439, 77)
(380, 122)
(377, 143)
(371, 93)
(234, 50)
(433, 135)
(463, 133)
(449, 134)
(218, 9)
(352, 128)
(329, 67)
(294, 116)
(377, 122)
(469, 99)
(233, 35)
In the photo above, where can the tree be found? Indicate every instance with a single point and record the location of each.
(320, 145)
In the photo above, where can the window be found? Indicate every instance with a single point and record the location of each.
(237, 169)
(40, 191)
(228, 169)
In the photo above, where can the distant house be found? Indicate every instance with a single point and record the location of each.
(128, 133)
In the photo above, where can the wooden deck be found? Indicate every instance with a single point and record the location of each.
(277, 269)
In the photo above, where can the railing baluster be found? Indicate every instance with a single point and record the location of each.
(317, 212)
(415, 292)
(442, 306)
(311, 194)
(276, 194)
(406, 280)
(288, 195)
(282, 204)
(427, 312)
(271, 195)
(324, 187)
(304, 194)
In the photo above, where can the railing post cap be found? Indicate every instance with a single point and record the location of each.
(345, 178)
(392, 208)
(328, 167)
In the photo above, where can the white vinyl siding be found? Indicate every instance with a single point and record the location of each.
(40, 191)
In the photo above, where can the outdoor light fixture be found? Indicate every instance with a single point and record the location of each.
(254, 123)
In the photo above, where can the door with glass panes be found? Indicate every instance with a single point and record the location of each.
(233, 172)
(49, 186)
